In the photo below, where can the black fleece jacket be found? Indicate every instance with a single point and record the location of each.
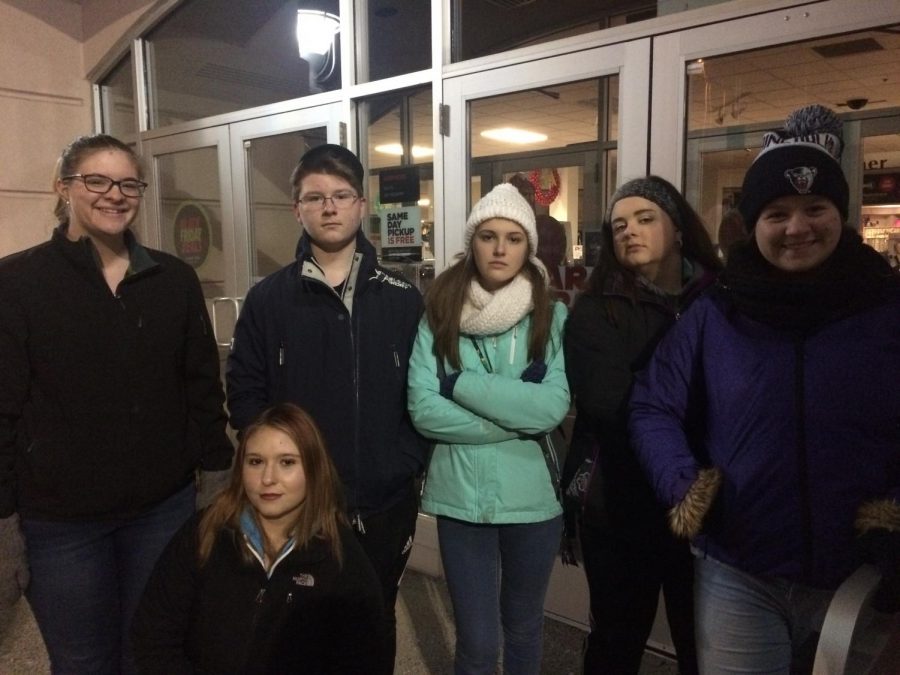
(108, 402)
(308, 617)
(608, 339)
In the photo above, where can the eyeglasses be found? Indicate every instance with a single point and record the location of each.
(96, 182)
(316, 202)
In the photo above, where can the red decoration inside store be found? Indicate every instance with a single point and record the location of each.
(544, 195)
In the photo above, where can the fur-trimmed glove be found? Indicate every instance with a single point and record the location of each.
(14, 574)
(534, 372)
(879, 543)
(686, 517)
(209, 485)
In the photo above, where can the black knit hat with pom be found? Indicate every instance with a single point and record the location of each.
(801, 159)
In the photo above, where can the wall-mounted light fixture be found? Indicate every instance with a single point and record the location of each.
(316, 31)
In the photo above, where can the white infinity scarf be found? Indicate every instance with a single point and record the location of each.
(486, 313)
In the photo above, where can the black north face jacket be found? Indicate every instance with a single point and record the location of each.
(306, 615)
(342, 359)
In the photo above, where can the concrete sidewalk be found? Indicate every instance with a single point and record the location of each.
(425, 637)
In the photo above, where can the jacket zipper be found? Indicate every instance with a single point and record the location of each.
(802, 468)
(357, 517)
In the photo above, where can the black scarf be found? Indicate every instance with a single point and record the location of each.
(853, 278)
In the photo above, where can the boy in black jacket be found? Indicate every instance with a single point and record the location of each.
(332, 332)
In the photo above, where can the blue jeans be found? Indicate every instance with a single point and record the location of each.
(498, 575)
(87, 578)
(748, 624)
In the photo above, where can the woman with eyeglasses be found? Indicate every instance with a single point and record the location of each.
(111, 401)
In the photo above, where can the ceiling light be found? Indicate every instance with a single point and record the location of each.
(418, 151)
(510, 135)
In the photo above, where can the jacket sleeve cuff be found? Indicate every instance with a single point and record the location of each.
(686, 517)
(883, 514)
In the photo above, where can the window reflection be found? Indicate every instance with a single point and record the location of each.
(398, 39)
(731, 98)
(557, 144)
(482, 27)
(117, 100)
(216, 56)
(399, 153)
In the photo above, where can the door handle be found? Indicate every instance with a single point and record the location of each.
(235, 303)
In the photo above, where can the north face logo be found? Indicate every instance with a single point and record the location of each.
(801, 178)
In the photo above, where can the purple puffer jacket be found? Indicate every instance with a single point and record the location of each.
(804, 431)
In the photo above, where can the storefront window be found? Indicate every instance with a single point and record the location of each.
(399, 150)
(274, 230)
(880, 220)
(217, 56)
(483, 27)
(556, 140)
(733, 99)
(556, 145)
(398, 39)
(117, 100)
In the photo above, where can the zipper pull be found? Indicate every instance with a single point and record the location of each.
(512, 344)
(396, 359)
(358, 523)
(259, 596)
(281, 354)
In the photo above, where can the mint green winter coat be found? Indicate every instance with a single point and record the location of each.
(485, 468)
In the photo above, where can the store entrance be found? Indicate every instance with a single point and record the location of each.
(220, 199)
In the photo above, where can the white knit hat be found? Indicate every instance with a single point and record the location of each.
(504, 201)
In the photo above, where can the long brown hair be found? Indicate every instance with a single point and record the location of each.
(696, 245)
(444, 302)
(321, 512)
(78, 150)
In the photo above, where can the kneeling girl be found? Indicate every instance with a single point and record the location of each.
(270, 577)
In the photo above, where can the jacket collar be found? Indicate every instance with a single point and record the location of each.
(361, 269)
(253, 538)
(83, 254)
(695, 278)
(313, 551)
(363, 245)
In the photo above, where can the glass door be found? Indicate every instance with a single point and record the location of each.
(264, 152)
(220, 199)
(716, 87)
(554, 126)
(565, 130)
(189, 209)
